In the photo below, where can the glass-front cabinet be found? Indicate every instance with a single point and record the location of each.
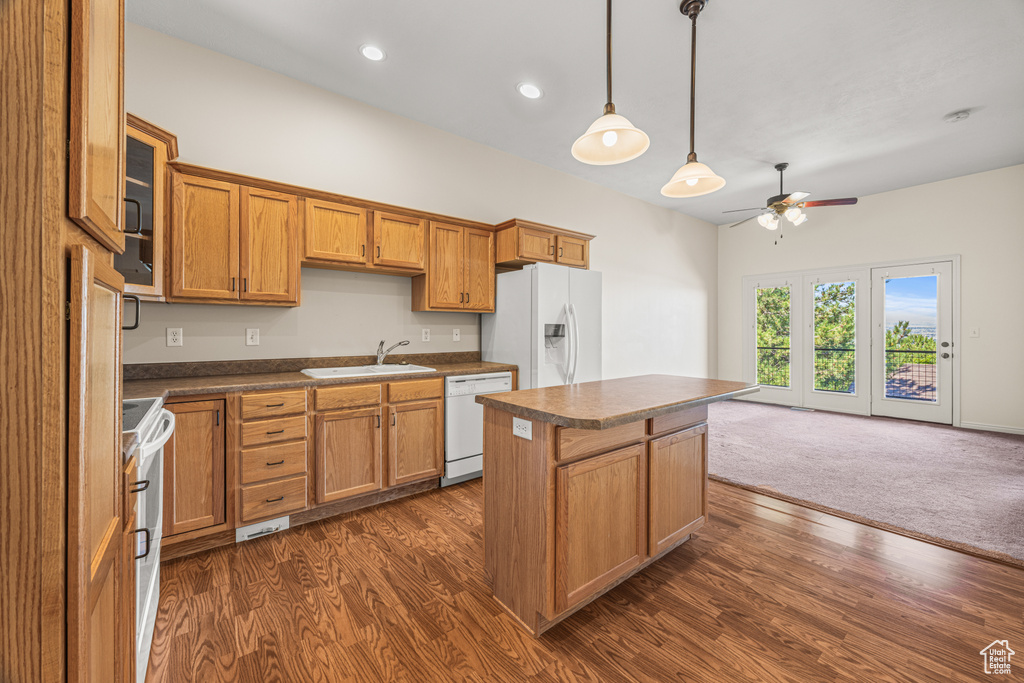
(148, 148)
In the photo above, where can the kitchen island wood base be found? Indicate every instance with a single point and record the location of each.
(570, 512)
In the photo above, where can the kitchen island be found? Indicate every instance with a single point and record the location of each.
(586, 484)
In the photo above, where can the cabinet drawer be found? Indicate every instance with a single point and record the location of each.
(573, 443)
(413, 391)
(332, 398)
(664, 424)
(272, 462)
(272, 431)
(273, 404)
(276, 498)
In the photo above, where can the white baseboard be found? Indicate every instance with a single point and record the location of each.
(992, 428)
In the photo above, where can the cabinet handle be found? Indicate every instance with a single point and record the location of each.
(138, 312)
(467, 297)
(279, 431)
(560, 250)
(245, 284)
(232, 284)
(461, 296)
(364, 250)
(378, 251)
(275, 405)
(138, 216)
(394, 418)
(218, 419)
(138, 486)
(274, 500)
(149, 544)
(378, 421)
(272, 464)
(552, 250)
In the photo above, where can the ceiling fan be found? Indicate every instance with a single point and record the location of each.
(787, 205)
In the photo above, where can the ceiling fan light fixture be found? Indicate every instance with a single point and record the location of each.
(692, 180)
(768, 220)
(802, 218)
(611, 139)
(793, 214)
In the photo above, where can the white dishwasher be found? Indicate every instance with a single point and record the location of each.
(464, 423)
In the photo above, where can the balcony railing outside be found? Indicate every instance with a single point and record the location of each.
(835, 370)
(773, 366)
(910, 375)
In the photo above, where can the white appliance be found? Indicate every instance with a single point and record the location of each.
(154, 425)
(547, 320)
(464, 423)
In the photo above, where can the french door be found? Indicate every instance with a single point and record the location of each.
(870, 341)
(912, 342)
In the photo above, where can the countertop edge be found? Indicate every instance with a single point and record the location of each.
(612, 420)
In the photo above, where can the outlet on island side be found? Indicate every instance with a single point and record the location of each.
(174, 336)
(522, 428)
(252, 336)
(426, 334)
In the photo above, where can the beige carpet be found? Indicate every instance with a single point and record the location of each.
(956, 487)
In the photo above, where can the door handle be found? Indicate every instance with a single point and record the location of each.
(138, 216)
(946, 355)
(139, 486)
(138, 312)
(149, 544)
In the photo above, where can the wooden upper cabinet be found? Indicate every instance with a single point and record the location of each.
(204, 239)
(678, 487)
(96, 130)
(334, 232)
(194, 462)
(461, 272)
(348, 453)
(399, 241)
(600, 522)
(268, 254)
(520, 243)
(95, 526)
(415, 441)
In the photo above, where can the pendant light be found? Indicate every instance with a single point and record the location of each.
(694, 178)
(611, 139)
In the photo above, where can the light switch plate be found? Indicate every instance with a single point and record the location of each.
(175, 336)
(456, 335)
(522, 428)
(426, 335)
(252, 336)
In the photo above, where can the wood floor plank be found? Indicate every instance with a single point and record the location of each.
(767, 590)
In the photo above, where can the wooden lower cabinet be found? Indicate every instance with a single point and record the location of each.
(677, 471)
(348, 453)
(194, 464)
(415, 441)
(599, 522)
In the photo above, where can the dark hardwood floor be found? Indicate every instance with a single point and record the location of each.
(766, 591)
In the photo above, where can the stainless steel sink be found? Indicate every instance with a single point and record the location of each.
(365, 371)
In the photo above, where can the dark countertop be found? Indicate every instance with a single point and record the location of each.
(222, 384)
(613, 402)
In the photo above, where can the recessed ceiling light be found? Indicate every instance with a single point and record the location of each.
(529, 90)
(372, 52)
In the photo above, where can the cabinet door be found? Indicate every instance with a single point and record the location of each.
(126, 611)
(478, 273)
(95, 508)
(348, 453)
(335, 232)
(204, 239)
(398, 241)
(269, 246)
(96, 130)
(142, 263)
(600, 522)
(415, 441)
(194, 467)
(677, 486)
(572, 251)
(536, 245)
(446, 266)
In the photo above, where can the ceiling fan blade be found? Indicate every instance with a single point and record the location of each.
(743, 221)
(794, 197)
(831, 202)
(760, 208)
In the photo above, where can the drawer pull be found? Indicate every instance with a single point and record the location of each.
(274, 500)
(139, 486)
(279, 462)
(279, 431)
(275, 405)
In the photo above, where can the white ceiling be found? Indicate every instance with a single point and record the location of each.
(852, 95)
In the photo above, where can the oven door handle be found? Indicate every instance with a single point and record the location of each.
(156, 443)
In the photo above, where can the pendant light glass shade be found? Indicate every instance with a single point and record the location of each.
(611, 139)
(692, 180)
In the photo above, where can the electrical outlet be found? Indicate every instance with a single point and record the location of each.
(975, 332)
(175, 336)
(522, 428)
(456, 335)
(426, 334)
(252, 336)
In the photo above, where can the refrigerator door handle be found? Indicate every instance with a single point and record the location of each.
(569, 345)
(575, 342)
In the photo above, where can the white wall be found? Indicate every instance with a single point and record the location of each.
(659, 266)
(977, 216)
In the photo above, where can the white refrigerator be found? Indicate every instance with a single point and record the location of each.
(547, 320)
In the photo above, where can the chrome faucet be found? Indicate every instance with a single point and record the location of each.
(382, 354)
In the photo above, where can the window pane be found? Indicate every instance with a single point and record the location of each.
(772, 325)
(835, 351)
(911, 320)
